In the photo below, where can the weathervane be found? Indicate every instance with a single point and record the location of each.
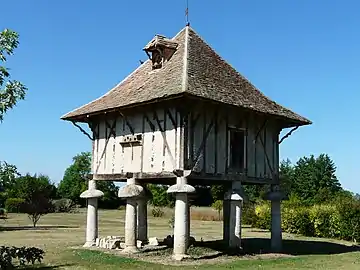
(187, 13)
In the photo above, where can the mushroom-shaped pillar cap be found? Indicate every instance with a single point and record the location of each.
(233, 196)
(130, 191)
(276, 196)
(179, 188)
(91, 193)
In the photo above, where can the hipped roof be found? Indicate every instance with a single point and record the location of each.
(195, 69)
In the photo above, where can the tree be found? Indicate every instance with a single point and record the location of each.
(8, 174)
(314, 179)
(36, 193)
(13, 90)
(286, 175)
(217, 192)
(218, 206)
(160, 197)
(74, 183)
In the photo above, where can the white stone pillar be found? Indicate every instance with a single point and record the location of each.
(188, 219)
(276, 196)
(131, 192)
(181, 224)
(226, 220)
(92, 195)
(235, 224)
(130, 226)
(232, 221)
(142, 220)
(276, 233)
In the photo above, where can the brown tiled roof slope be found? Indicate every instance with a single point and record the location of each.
(195, 69)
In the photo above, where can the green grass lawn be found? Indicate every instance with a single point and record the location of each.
(62, 235)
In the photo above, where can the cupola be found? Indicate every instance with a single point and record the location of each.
(159, 50)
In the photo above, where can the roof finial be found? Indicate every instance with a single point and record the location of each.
(187, 13)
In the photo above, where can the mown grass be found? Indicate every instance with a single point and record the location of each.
(62, 235)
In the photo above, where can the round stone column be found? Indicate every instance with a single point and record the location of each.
(235, 201)
(181, 226)
(276, 196)
(92, 195)
(142, 219)
(131, 192)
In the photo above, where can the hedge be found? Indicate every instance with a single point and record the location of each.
(14, 205)
(341, 220)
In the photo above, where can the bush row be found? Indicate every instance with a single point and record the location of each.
(340, 220)
(16, 205)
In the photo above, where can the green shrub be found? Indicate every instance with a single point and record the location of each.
(248, 214)
(297, 220)
(157, 212)
(218, 206)
(14, 205)
(349, 214)
(64, 206)
(24, 255)
(263, 216)
(3, 213)
(326, 221)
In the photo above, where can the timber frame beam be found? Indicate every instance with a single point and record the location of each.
(288, 134)
(197, 178)
(83, 130)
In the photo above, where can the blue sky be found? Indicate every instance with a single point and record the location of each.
(303, 54)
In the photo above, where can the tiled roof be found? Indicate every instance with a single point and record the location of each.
(195, 69)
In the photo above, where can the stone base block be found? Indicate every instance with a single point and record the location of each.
(130, 250)
(180, 257)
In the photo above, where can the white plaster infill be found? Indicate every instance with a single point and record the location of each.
(131, 192)
(181, 226)
(92, 195)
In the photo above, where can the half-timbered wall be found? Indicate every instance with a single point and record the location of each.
(210, 147)
(200, 141)
(158, 151)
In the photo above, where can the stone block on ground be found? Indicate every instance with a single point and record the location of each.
(138, 243)
(153, 241)
(192, 241)
(169, 241)
(114, 243)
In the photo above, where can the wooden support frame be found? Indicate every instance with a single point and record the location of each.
(127, 123)
(82, 130)
(202, 147)
(166, 144)
(288, 134)
(111, 127)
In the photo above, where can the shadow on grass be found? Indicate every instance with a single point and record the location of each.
(254, 246)
(46, 267)
(37, 228)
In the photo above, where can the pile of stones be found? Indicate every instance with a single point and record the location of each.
(118, 242)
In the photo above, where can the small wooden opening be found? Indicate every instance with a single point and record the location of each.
(237, 149)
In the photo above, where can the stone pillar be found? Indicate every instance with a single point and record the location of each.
(142, 220)
(235, 223)
(233, 200)
(187, 237)
(92, 195)
(226, 220)
(181, 227)
(275, 196)
(131, 192)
